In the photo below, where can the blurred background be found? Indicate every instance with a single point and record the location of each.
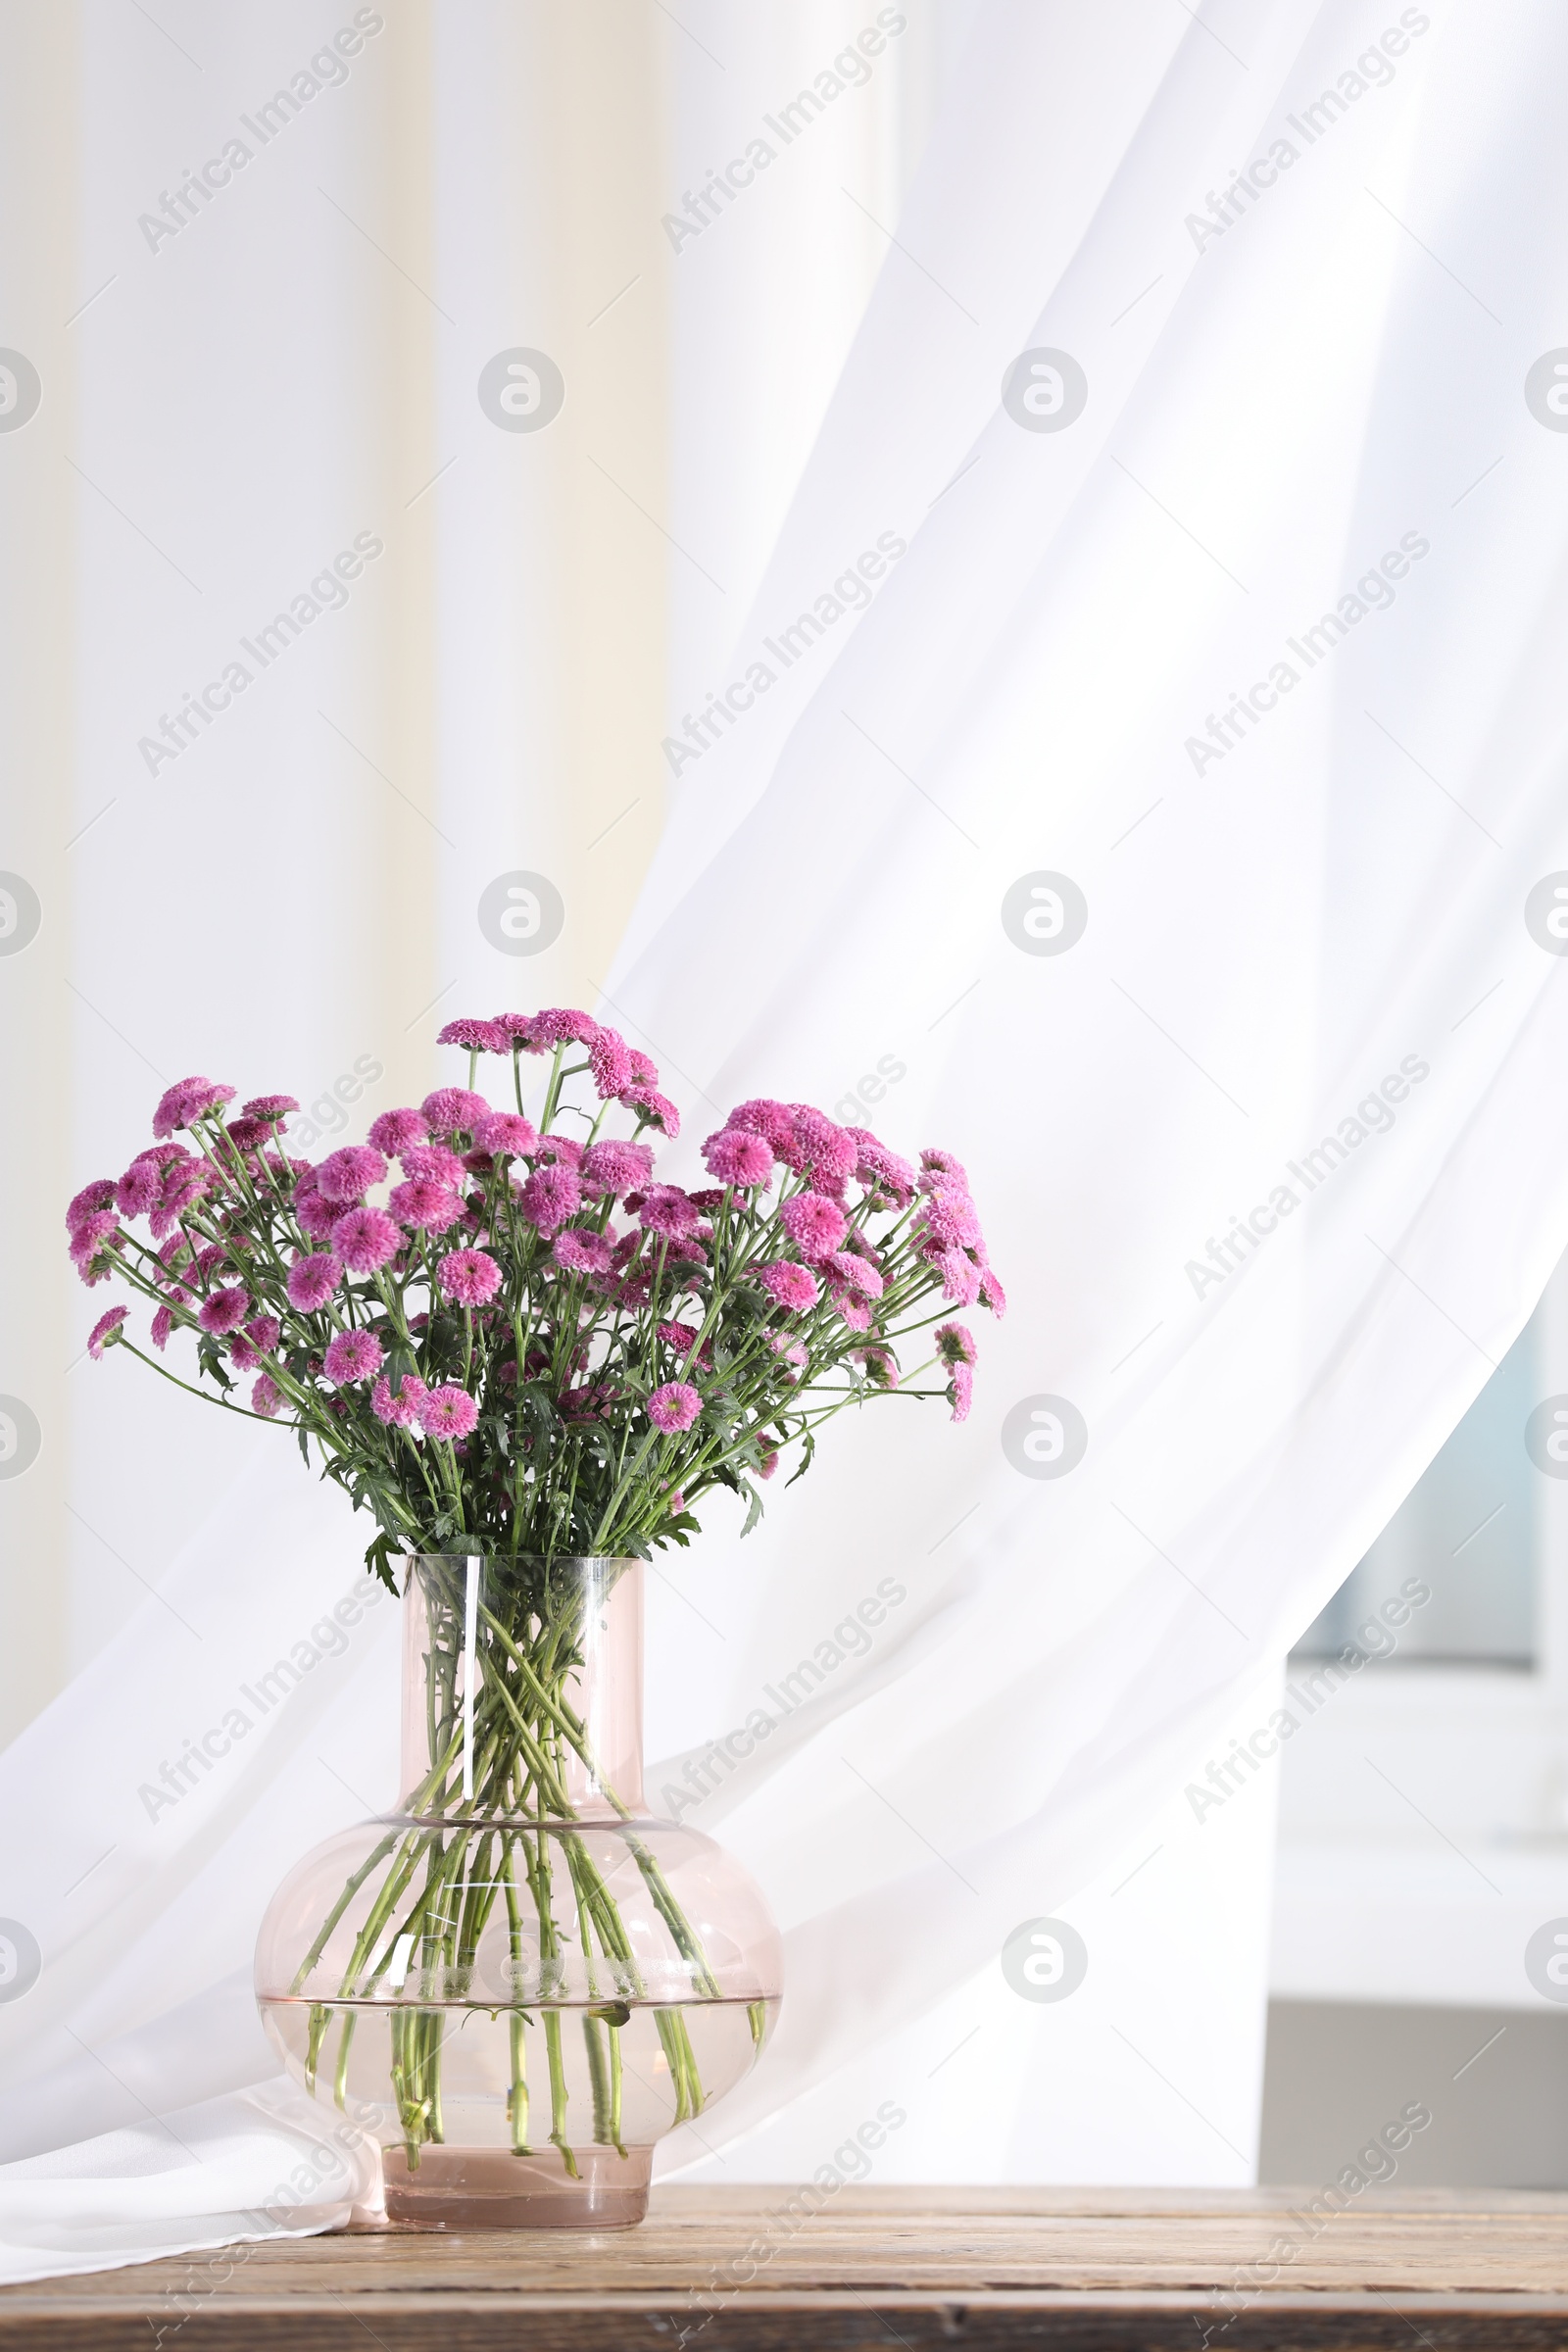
(1395, 1950)
(429, 329)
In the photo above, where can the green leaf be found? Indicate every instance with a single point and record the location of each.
(808, 1448)
(378, 1559)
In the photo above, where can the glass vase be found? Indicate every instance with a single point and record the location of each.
(517, 1982)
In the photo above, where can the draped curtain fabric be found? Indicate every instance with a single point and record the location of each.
(1168, 828)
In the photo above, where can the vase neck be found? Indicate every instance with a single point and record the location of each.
(522, 1687)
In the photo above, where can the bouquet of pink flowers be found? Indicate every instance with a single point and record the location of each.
(524, 1343)
(528, 1357)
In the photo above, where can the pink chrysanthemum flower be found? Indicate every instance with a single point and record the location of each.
(993, 1295)
(768, 1461)
(644, 1070)
(103, 1331)
(271, 1108)
(791, 1285)
(469, 1277)
(346, 1176)
(313, 1280)
(436, 1206)
(479, 1037)
(182, 1186)
(93, 1243)
(160, 1222)
(855, 1312)
(881, 1366)
(169, 1109)
(814, 1224)
(820, 1148)
(506, 1134)
(668, 1211)
(563, 1024)
(519, 1029)
(316, 1214)
(954, 1343)
(402, 1410)
(91, 1202)
(939, 1170)
(549, 1196)
(259, 1338)
(88, 1236)
(248, 1135)
(582, 1253)
(224, 1310)
(176, 1201)
(265, 1396)
(454, 1110)
(960, 1388)
(139, 1189)
(880, 1170)
(163, 1324)
(432, 1163)
(352, 1355)
(681, 1337)
(610, 1060)
(773, 1122)
(168, 1113)
(948, 1217)
(674, 1406)
(394, 1131)
(184, 1102)
(366, 1239)
(860, 1275)
(448, 1412)
(615, 1167)
(737, 1156)
(562, 1151)
(653, 1108)
(961, 1277)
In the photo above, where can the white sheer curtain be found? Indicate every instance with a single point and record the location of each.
(1304, 394)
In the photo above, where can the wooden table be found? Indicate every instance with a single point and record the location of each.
(736, 2271)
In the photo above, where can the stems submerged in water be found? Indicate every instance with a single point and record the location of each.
(513, 1824)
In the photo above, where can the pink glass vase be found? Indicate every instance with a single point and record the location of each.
(517, 1982)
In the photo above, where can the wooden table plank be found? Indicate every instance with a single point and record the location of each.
(754, 2271)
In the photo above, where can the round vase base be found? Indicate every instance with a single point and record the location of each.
(490, 2189)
